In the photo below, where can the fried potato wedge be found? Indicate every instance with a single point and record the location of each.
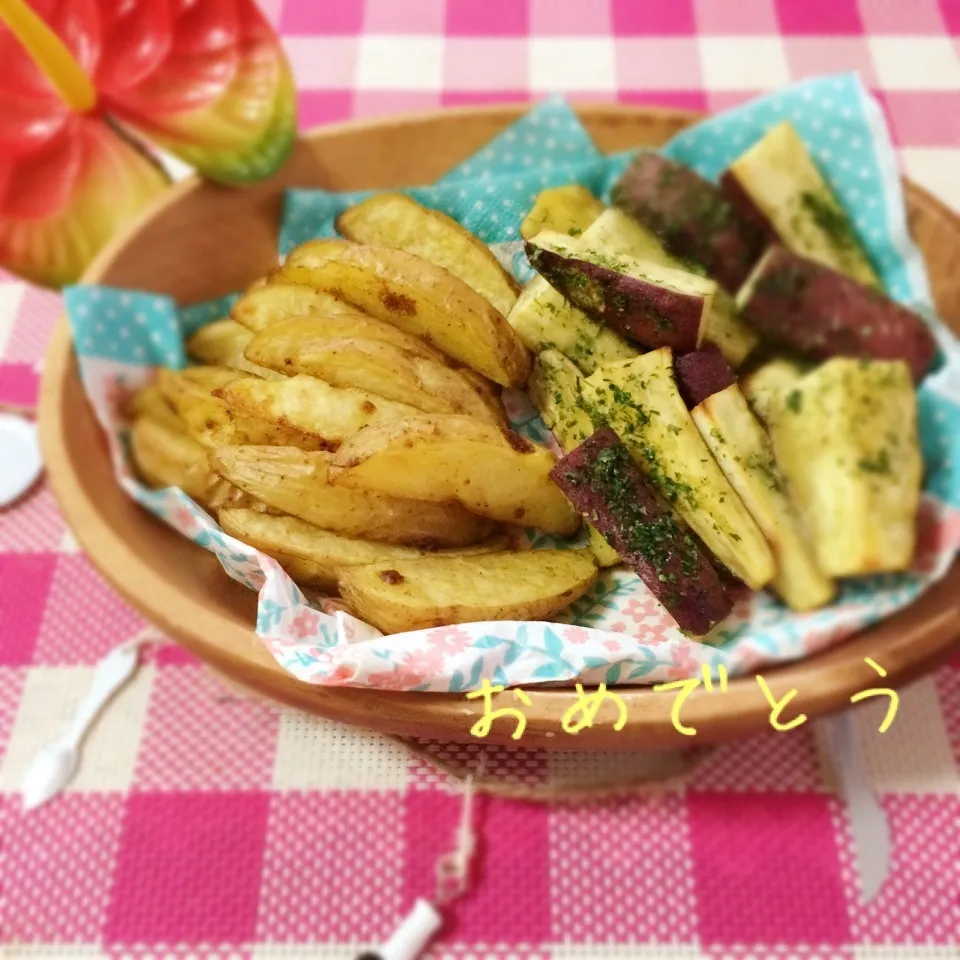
(209, 420)
(316, 557)
(297, 482)
(272, 302)
(151, 403)
(492, 472)
(165, 457)
(568, 209)
(300, 336)
(418, 297)
(375, 366)
(310, 405)
(222, 343)
(400, 595)
(395, 220)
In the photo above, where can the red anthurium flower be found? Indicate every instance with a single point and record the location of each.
(81, 80)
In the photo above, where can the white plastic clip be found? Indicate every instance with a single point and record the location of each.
(420, 925)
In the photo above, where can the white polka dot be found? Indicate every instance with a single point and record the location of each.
(124, 333)
(125, 299)
(807, 95)
(528, 161)
(99, 328)
(816, 123)
(824, 153)
(83, 310)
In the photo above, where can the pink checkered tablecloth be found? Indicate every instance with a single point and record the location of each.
(206, 824)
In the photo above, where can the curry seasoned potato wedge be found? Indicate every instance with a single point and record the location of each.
(310, 405)
(395, 220)
(222, 343)
(641, 401)
(400, 595)
(554, 388)
(271, 302)
(375, 366)
(493, 472)
(419, 298)
(209, 420)
(297, 482)
(166, 457)
(846, 441)
(284, 344)
(568, 209)
(316, 557)
(151, 403)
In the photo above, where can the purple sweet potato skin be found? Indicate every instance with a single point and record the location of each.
(691, 217)
(642, 312)
(823, 313)
(749, 212)
(681, 578)
(701, 374)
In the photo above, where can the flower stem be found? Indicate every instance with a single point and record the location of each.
(50, 54)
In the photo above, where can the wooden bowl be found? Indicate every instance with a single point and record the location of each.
(202, 241)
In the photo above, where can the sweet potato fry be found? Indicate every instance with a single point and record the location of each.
(651, 305)
(601, 480)
(691, 216)
(822, 313)
(702, 373)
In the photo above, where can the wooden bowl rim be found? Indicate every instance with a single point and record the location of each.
(742, 709)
